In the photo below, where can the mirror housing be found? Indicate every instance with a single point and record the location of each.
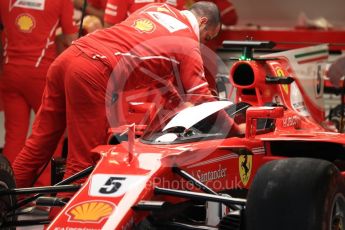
(253, 113)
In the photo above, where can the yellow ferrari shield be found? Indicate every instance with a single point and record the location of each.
(280, 73)
(245, 163)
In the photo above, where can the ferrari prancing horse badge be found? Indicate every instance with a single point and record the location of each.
(245, 163)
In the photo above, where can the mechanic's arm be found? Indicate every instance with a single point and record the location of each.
(194, 82)
(336, 71)
(115, 12)
(192, 75)
(69, 38)
(69, 29)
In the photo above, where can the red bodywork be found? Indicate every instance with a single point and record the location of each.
(127, 173)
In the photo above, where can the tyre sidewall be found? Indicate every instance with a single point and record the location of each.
(295, 193)
(7, 182)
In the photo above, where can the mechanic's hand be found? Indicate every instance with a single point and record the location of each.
(336, 71)
(187, 104)
(242, 128)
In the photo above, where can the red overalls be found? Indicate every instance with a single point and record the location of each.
(155, 44)
(29, 49)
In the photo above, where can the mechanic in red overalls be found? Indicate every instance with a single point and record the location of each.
(118, 10)
(28, 50)
(157, 43)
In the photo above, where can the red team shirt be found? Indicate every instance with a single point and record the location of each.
(29, 33)
(157, 35)
(153, 44)
(118, 10)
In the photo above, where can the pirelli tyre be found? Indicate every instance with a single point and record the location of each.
(296, 193)
(7, 202)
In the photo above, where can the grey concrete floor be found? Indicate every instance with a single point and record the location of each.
(33, 216)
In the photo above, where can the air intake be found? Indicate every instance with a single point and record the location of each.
(242, 75)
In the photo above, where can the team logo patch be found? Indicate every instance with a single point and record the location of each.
(28, 4)
(90, 212)
(280, 73)
(245, 163)
(144, 25)
(26, 23)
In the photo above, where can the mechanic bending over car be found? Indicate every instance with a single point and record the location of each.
(76, 93)
(118, 10)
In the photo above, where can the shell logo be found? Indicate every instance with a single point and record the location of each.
(91, 211)
(144, 25)
(25, 23)
(280, 73)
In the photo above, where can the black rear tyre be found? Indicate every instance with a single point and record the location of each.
(297, 193)
(7, 202)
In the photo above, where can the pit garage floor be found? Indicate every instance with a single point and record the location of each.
(34, 227)
(35, 214)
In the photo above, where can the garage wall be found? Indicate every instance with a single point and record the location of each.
(286, 12)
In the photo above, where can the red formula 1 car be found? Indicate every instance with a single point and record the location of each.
(193, 167)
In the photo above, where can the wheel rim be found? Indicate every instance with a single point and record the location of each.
(338, 213)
